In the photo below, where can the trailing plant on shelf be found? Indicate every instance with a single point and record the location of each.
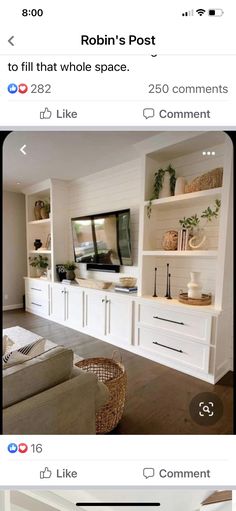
(192, 224)
(194, 220)
(209, 213)
(159, 177)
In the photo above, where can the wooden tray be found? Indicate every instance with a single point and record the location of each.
(204, 300)
(95, 284)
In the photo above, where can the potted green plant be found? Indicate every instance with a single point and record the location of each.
(40, 263)
(196, 234)
(164, 185)
(70, 266)
(45, 210)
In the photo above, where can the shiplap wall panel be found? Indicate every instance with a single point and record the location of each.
(109, 190)
(180, 269)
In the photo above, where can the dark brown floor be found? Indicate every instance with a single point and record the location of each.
(158, 397)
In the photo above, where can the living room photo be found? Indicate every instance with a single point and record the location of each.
(117, 282)
(109, 499)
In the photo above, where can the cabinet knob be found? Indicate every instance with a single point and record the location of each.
(103, 300)
(108, 301)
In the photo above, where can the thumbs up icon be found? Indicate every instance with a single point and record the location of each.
(45, 474)
(45, 114)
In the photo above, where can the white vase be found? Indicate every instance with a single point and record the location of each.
(165, 191)
(179, 185)
(39, 271)
(194, 286)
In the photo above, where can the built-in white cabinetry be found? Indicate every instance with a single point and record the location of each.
(95, 313)
(37, 297)
(108, 316)
(192, 339)
(173, 334)
(66, 305)
(119, 316)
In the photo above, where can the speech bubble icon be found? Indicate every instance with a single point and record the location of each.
(148, 472)
(148, 112)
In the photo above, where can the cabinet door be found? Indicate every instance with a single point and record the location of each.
(94, 313)
(58, 308)
(119, 319)
(74, 308)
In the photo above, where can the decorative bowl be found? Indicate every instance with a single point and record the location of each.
(127, 281)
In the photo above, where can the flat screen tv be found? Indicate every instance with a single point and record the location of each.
(102, 241)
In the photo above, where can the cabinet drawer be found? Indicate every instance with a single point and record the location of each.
(36, 286)
(195, 326)
(39, 306)
(188, 353)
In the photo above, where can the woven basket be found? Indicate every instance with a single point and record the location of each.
(113, 375)
(212, 179)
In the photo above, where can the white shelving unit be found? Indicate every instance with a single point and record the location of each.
(55, 191)
(185, 154)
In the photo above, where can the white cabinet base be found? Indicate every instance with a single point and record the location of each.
(180, 339)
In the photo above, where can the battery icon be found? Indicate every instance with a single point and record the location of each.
(215, 12)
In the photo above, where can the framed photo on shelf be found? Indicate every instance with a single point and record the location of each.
(48, 242)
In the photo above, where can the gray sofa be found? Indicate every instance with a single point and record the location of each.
(48, 394)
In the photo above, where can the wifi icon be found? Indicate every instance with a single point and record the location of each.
(200, 11)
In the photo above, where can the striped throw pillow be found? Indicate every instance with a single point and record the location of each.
(23, 354)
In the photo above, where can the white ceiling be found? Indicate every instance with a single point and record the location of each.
(64, 155)
(64, 500)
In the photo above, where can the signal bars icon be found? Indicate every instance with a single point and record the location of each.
(188, 13)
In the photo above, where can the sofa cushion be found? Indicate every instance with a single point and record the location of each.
(21, 381)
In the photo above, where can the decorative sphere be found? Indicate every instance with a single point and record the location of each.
(170, 240)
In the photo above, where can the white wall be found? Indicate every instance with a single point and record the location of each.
(14, 249)
(112, 189)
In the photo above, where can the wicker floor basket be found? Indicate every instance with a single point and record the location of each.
(113, 375)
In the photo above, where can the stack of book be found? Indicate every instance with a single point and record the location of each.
(66, 281)
(183, 238)
(124, 289)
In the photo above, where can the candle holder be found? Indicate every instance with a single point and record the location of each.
(169, 297)
(167, 273)
(155, 285)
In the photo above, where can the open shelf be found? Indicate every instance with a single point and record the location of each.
(39, 251)
(186, 199)
(180, 253)
(40, 222)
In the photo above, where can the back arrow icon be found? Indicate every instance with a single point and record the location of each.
(22, 149)
(10, 40)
